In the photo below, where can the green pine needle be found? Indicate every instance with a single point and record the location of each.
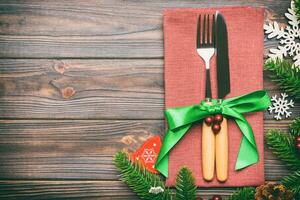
(297, 8)
(139, 179)
(283, 145)
(185, 185)
(245, 193)
(292, 182)
(287, 77)
(295, 127)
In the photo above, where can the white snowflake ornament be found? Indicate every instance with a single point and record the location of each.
(281, 106)
(289, 36)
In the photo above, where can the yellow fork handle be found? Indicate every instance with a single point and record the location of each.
(208, 152)
(222, 152)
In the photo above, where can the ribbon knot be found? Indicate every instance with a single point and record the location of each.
(181, 119)
(213, 106)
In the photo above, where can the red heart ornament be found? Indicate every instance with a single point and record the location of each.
(147, 153)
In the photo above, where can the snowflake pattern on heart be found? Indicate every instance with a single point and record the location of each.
(281, 106)
(289, 36)
(149, 155)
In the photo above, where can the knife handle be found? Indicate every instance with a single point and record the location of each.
(208, 152)
(222, 152)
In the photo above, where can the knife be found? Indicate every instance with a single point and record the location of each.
(223, 84)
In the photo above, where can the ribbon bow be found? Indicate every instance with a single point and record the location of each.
(181, 119)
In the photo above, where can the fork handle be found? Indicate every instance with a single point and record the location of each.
(207, 84)
(208, 152)
(222, 152)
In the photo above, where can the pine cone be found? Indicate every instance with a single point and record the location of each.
(271, 191)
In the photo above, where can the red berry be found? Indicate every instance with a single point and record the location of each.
(219, 118)
(297, 139)
(298, 146)
(216, 128)
(216, 197)
(199, 198)
(209, 120)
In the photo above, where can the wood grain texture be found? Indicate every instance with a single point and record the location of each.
(96, 29)
(42, 189)
(104, 190)
(86, 89)
(69, 101)
(84, 149)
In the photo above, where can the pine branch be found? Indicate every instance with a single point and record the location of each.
(185, 185)
(297, 8)
(246, 193)
(287, 77)
(139, 179)
(292, 182)
(283, 145)
(295, 127)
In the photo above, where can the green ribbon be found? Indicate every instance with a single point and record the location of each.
(181, 119)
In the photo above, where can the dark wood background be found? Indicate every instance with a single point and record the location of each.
(80, 80)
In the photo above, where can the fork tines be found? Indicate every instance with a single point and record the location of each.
(206, 31)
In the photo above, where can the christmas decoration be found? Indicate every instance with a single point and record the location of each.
(289, 46)
(181, 119)
(297, 8)
(271, 191)
(216, 197)
(139, 179)
(218, 118)
(209, 120)
(295, 127)
(287, 78)
(185, 185)
(147, 153)
(246, 193)
(216, 128)
(282, 144)
(292, 182)
(280, 106)
(215, 122)
(156, 190)
(297, 142)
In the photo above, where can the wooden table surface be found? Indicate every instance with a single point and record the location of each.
(80, 80)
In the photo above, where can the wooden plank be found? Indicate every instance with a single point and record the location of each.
(84, 149)
(105, 29)
(120, 89)
(44, 189)
(92, 190)
(86, 89)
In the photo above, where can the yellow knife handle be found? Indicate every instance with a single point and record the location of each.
(222, 152)
(208, 152)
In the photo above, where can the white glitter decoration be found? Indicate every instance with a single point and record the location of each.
(280, 106)
(289, 36)
(156, 190)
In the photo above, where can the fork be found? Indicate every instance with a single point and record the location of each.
(206, 46)
(206, 50)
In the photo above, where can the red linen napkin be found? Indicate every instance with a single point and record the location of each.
(185, 85)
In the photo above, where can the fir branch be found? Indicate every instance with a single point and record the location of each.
(185, 185)
(139, 179)
(246, 193)
(283, 145)
(295, 127)
(285, 75)
(297, 8)
(292, 182)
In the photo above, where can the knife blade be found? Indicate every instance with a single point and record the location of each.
(223, 75)
(223, 79)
